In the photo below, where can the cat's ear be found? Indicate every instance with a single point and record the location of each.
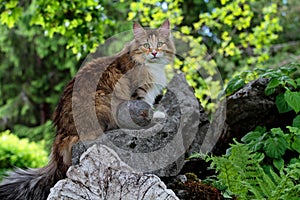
(164, 29)
(138, 31)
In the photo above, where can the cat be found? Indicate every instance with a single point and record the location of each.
(136, 72)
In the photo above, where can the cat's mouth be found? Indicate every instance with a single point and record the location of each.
(154, 59)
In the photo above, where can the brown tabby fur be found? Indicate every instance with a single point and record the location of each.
(130, 74)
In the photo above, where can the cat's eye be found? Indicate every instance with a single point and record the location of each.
(146, 45)
(159, 44)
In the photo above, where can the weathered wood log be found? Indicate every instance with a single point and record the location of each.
(101, 175)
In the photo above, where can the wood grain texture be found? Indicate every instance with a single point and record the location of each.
(102, 175)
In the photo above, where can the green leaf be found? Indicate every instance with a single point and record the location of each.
(196, 155)
(252, 136)
(294, 130)
(294, 161)
(296, 144)
(257, 146)
(291, 82)
(288, 70)
(277, 132)
(293, 100)
(273, 83)
(296, 121)
(275, 147)
(38, 19)
(281, 104)
(278, 163)
(88, 17)
(272, 74)
(298, 81)
(269, 91)
(234, 84)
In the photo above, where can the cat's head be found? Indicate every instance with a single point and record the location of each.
(153, 45)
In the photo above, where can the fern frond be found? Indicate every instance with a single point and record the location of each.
(256, 191)
(243, 175)
(266, 185)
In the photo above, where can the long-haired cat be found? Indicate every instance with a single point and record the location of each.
(136, 72)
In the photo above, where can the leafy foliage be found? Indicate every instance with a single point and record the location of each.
(240, 173)
(267, 164)
(15, 152)
(224, 34)
(43, 132)
(284, 81)
(296, 121)
(43, 43)
(274, 144)
(37, 75)
(57, 35)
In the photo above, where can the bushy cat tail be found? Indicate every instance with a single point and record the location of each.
(30, 184)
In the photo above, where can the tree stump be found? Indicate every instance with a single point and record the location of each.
(101, 175)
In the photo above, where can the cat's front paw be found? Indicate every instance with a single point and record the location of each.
(159, 115)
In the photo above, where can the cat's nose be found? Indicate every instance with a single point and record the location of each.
(154, 53)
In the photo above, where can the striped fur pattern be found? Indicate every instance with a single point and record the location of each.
(30, 184)
(145, 58)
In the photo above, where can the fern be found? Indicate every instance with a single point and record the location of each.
(233, 169)
(274, 186)
(289, 185)
(241, 174)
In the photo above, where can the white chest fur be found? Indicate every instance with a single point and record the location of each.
(159, 81)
